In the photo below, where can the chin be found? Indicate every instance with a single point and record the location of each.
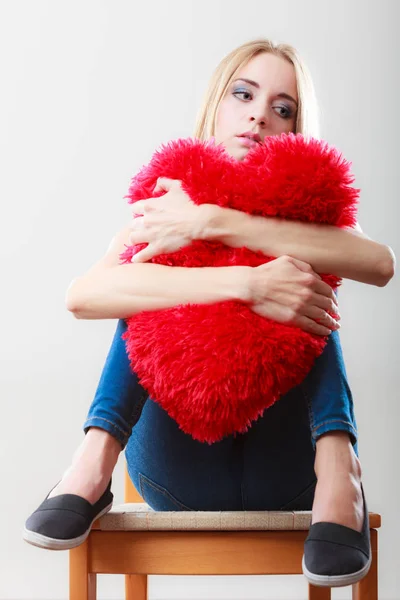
(241, 154)
(238, 153)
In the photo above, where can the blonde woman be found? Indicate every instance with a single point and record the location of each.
(302, 453)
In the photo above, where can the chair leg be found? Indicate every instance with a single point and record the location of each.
(318, 593)
(367, 588)
(136, 587)
(82, 584)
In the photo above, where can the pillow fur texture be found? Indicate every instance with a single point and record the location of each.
(216, 368)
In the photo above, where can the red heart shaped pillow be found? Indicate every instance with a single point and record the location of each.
(216, 368)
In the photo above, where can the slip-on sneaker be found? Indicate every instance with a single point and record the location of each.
(64, 521)
(336, 555)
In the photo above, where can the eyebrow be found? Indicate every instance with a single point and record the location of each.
(281, 95)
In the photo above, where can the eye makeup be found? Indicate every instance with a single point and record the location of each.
(289, 111)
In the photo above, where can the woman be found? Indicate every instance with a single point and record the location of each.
(277, 465)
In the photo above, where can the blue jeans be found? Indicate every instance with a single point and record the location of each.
(270, 467)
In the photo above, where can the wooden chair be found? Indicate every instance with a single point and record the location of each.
(136, 541)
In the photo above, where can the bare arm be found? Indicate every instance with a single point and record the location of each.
(328, 249)
(286, 290)
(110, 290)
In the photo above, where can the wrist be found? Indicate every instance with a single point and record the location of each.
(236, 228)
(209, 222)
(243, 277)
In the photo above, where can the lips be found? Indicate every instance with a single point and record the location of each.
(247, 141)
(251, 135)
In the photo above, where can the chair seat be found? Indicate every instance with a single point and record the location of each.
(141, 517)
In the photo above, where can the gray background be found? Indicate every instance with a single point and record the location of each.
(89, 89)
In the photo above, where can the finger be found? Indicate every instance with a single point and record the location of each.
(311, 326)
(323, 288)
(321, 317)
(163, 183)
(137, 222)
(137, 209)
(303, 266)
(144, 255)
(326, 304)
(141, 206)
(136, 237)
(158, 188)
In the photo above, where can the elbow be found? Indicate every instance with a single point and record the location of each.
(76, 311)
(78, 308)
(74, 299)
(388, 267)
(85, 301)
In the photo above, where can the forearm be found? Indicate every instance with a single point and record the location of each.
(121, 291)
(328, 249)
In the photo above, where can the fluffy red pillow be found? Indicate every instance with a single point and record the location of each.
(216, 368)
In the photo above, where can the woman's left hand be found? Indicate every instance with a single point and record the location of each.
(167, 223)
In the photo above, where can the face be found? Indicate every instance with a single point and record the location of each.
(267, 106)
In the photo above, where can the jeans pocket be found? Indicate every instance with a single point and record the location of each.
(302, 501)
(158, 497)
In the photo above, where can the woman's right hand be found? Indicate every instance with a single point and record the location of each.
(289, 291)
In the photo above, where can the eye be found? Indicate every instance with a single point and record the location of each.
(236, 92)
(288, 112)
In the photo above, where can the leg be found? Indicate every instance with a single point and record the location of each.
(330, 401)
(64, 521)
(318, 593)
(136, 587)
(270, 467)
(172, 471)
(116, 407)
(338, 496)
(119, 397)
(336, 550)
(367, 588)
(82, 584)
(278, 458)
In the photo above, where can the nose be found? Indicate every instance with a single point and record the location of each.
(259, 114)
(261, 120)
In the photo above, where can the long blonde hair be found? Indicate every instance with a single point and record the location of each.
(307, 121)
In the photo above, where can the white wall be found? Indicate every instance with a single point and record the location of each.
(89, 89)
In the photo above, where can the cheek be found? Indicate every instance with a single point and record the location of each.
(284, 125)
(291, 125)
(288, 126)
(225, 117)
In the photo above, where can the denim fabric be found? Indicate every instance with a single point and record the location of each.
(119, 397)
(270, 467)
(329, 398)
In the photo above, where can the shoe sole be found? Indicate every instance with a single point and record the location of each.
(42, 541)
(336, 580)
